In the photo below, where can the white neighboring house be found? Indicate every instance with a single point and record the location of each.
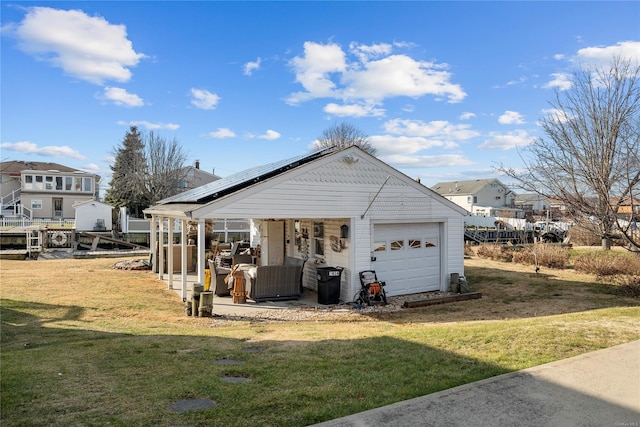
(532, 202)
(481, 197)
(93, 215)
(335, 208)
(44, 190)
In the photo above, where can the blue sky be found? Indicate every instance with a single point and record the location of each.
(444, 90)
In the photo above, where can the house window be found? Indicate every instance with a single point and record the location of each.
(38, 185)
(59, 183)
(475, 199)
(68, 183)
(318, 237)
(86, 184)
(77, 184)
(48, 183)
(36, 204)
(28, 182)
(414, 244)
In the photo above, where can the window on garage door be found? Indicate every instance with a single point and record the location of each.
(430, 242)
(396, 245)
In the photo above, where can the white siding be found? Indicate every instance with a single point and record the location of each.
(336, 193)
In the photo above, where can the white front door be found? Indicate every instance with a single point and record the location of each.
(407, 257)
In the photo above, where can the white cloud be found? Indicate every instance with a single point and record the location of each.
(511, 118)
(48, 151)
(389, 145)
(556, 115)
(313, 71)
(250, 67)
(506, 141)
(437, 128)
(86, 47)
(221, 133)
(353, 110)
(270, 135)
(467, 116)
(204, 99)
(324, 71)
(91, 167)
(602, 55)
(562, 81)
(400, 75)
(150, 126)
(121, 97)
(444, 160)
(366, 52)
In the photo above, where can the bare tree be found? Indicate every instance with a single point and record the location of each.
(589, 157)
(344, 135)
(165, 167)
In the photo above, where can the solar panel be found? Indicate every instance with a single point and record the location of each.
(213, 190)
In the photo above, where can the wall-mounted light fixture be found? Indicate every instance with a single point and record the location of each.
(344, 232)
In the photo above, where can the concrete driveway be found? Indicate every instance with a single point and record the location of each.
(601, 388)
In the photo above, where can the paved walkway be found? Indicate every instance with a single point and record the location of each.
(601, 388)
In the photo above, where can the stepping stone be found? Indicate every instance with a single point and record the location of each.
(235, 380)
(186, 405)
(229, 362)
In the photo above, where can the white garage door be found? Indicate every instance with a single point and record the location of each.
(407, 257)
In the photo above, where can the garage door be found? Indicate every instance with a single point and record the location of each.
(407, 257)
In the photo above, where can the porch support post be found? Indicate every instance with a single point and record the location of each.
(170, 252)
(161, 249)
(201, 250)
(183, 252)
(153, 239)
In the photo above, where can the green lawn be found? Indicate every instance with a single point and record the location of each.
(107, 347)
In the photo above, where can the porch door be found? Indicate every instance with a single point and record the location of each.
(275, 245)
(57, 208)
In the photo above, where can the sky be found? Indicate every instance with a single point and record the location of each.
(445, 91)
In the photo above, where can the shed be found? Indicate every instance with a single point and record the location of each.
(92, 215)
(334, 207)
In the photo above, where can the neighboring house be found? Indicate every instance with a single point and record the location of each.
(44, 190)
(484, 197)
(532, 202)
(333, 208)
(92, 215)
(628, 206)
(195, 177)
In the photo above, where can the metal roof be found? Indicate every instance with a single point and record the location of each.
(232, 183)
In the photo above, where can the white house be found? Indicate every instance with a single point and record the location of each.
(484, 197)
(334, 208)
(92, 215)
(44, 190)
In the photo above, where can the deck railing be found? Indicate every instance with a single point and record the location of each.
(8, 223)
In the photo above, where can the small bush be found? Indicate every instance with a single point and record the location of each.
(495, 252)
(547, 255)
(608, 263)
(469, 251)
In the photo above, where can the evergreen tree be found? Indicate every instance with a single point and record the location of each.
(129, 174)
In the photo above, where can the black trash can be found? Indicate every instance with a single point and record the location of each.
(329, 285)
